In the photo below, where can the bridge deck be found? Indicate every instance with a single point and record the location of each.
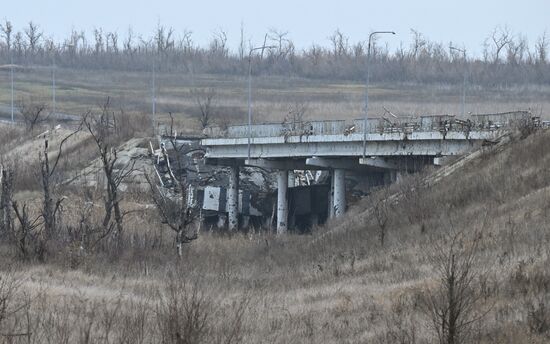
(423, 136)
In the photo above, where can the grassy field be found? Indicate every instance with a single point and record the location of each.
(369, 277)
(273, 97)
(341, 284)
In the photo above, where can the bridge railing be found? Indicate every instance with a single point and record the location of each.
(374, 125)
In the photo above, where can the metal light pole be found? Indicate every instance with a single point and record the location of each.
(53, 87)
(250, 91)
(367, 89)
(11, 76)
(463, 51)
(154, 99)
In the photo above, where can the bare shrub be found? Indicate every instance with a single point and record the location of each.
(296, 113)
(190, 311)
(400, 323)
(27, 236)
(538, 315)
(13, 304)
(184, 312)
(33, 112)
(129, 125)
(416, 204)
(205, 99)
(454, 306)
(527, 125)
(10, 135)
(381, 211)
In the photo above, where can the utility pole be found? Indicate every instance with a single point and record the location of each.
(154, 99)
(53, 88)
(463, 51)
(367, 89)
(11, 76)
(250, 91)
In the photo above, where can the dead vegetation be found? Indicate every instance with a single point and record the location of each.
(460, 259)
(173, 207)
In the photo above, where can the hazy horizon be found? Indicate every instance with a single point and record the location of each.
(306, 22)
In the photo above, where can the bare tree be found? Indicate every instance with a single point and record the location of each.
(18, 43)
(500, 46)
(205, 100)
(242, 44)
(340, 44)
(295, 115)
(455, 305)
(164, 38)
(381, 210)
(173, 208)
(51, 207)
(516, 50)
(7, 29)
(34, 35)
(187, 42)
(419, 42)
(128, 43)
(72, 43)
(32, 236)
(218, 45)
(99, 44)
(314, 54)
(27, 236)
(358, 50)
(102, 128)
(112, 42)
(33, 111)
(541, 48)
(6, 199)
(500, 38)
(282, 43)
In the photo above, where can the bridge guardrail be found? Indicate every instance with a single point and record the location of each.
(480, 122)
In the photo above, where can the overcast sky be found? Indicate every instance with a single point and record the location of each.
(464, 22)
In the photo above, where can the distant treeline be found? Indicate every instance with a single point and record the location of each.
(507, 59)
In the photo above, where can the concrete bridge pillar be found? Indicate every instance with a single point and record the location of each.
(396, 176)
(392, 176)
(331, 196)
(291, 179)
(282, 202)
(233, 198)
(339, 192)
(245, 222)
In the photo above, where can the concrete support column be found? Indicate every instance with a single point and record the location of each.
(245, 222)
(393, 176)
(331, 196)
(339, 192)
(233, 198)
(399, 176)
(282, 202)
(291, 179)
(388, 177)
(314, 219)
(396, 176)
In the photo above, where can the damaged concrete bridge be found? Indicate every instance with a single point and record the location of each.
(377, 147)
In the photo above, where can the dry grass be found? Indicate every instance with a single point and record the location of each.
(335, 285)
(338, 284)
(79, 91)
